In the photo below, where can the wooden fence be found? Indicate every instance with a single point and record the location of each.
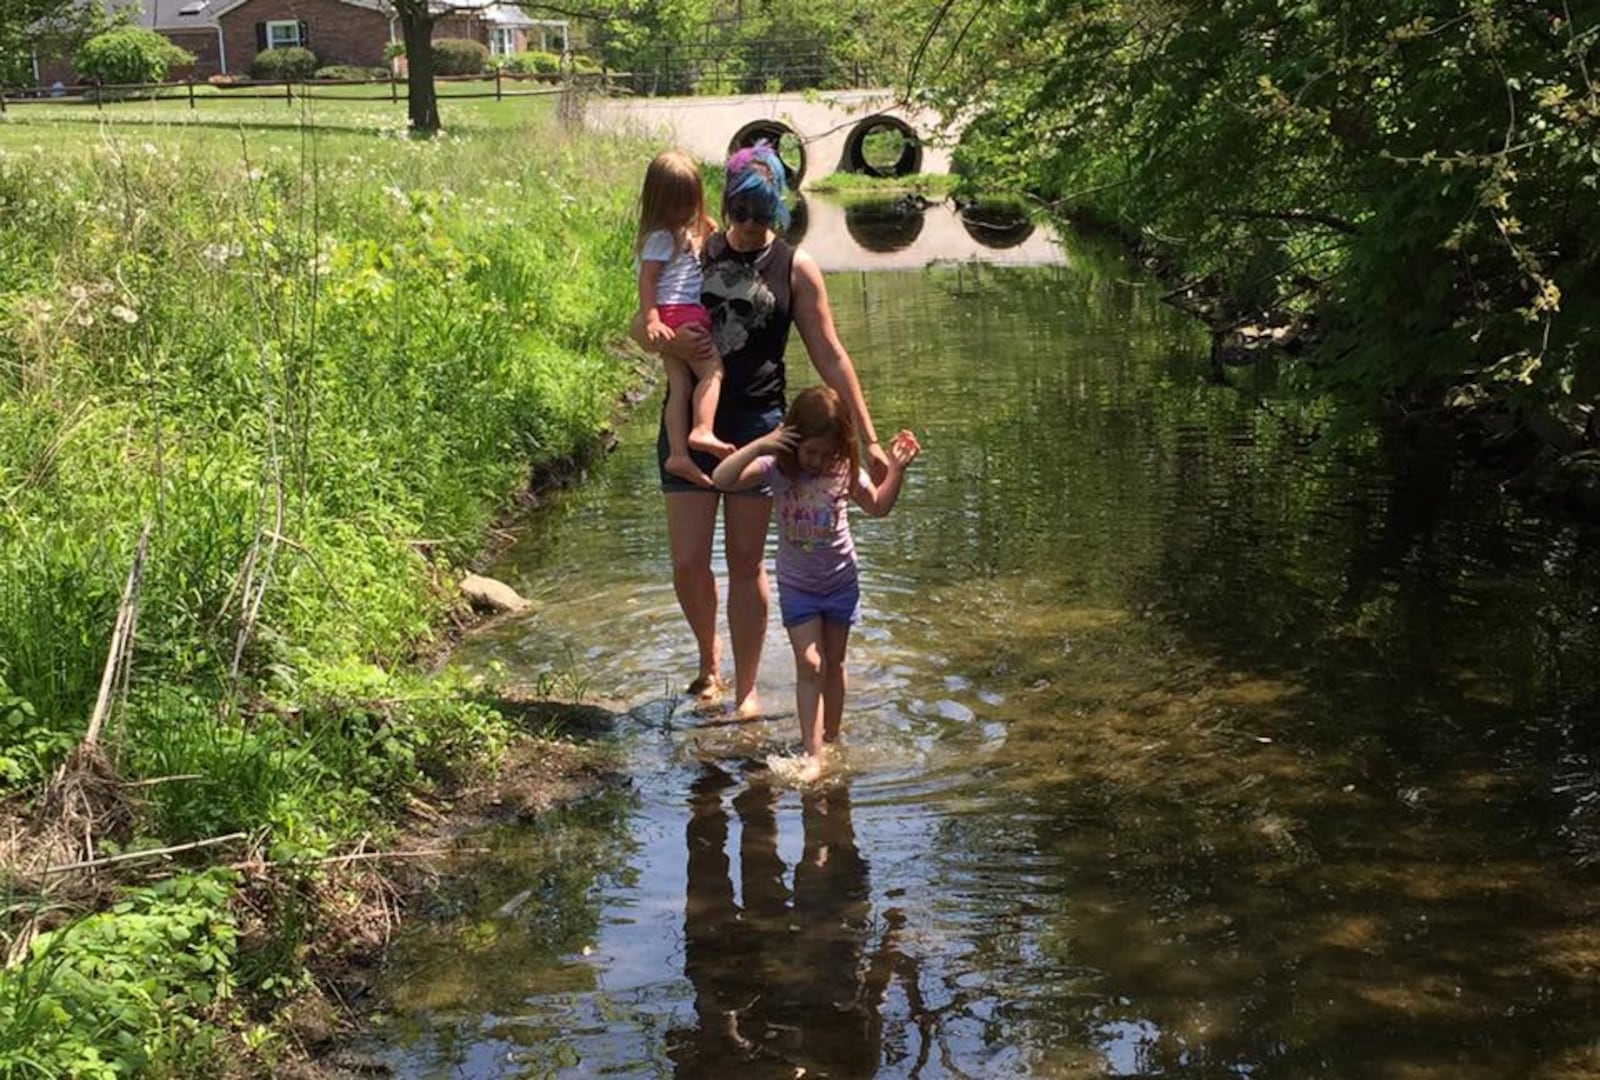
(394, 90)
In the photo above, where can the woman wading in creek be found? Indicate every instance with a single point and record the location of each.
(756, 285)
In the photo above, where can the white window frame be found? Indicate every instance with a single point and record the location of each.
(293, 26)
(502, 40)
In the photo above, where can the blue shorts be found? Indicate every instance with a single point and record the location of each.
(840, 606)
(737, 426)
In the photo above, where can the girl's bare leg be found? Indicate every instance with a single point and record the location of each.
(745, 519)
(809, 676)
(707, 392)
(835, 639)
(680, 393)
(691, 520)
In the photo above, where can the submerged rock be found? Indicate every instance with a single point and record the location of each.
(487, 594)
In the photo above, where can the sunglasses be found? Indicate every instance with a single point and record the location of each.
(742, 212)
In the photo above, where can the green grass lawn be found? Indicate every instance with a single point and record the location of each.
(358, 110)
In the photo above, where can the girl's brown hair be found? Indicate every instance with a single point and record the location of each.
(820, 411)
(673, 199)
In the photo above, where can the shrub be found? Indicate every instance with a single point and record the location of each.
(585, 65)
(394, 50)
(352, 73)
(459, 56)
(128, 54)
(291, 64)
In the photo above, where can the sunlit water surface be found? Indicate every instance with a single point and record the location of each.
(1179, 744)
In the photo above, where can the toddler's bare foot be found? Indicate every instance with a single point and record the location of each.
(707, 443)
(810, 769)
(683, 467)
(749, 708)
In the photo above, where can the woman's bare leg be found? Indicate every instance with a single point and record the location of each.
(745, 519)
(691, 521)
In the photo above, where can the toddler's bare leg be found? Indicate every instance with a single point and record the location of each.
(707, 392)
(679, 393)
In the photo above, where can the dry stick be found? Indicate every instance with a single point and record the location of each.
(130, 856)
(121, 638)
(163, 780)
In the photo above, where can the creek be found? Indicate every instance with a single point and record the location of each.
(1180, 742)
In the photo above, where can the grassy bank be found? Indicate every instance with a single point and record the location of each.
(314, 363)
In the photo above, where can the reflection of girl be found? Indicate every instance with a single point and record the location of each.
(811, 464)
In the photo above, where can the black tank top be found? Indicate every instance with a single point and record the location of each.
(747, 293)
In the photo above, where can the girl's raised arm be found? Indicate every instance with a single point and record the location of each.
(743, 468)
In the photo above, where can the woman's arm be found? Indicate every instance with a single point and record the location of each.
(814, 318)
(742, 469)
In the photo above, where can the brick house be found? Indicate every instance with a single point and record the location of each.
(226, 35)
(338, 31)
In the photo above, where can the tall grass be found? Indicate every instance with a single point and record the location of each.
(318, 369)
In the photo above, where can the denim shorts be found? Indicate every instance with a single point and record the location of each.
(797, 606)
(737, 426)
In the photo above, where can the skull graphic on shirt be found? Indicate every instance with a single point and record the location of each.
(739, 302)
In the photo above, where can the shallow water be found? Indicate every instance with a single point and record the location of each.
(1179, 744)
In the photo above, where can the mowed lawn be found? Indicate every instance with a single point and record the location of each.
(363, 111)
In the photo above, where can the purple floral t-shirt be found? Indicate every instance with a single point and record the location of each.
(815, 552)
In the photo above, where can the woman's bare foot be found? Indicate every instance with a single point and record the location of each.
(749, 708)
(707, 687)
(708, 443)
(683, 467)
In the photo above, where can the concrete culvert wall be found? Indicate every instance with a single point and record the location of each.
(859, 155)
(791, 151)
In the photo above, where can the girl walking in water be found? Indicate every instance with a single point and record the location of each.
(811, 464)
(673, 227)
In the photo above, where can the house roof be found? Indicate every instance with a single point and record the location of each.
(203, 14)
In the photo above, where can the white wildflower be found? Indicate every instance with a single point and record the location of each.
(125, 313)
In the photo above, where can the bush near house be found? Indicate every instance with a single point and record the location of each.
(459, 56)
(129, 54)
(292, 64)
(533, 63)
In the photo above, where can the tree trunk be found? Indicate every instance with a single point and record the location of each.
(422, 103)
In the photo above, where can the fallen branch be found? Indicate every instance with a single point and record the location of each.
(356, 856)
(130, 856)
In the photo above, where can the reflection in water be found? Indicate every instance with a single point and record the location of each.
(783, 980)
(1178, 746)
(997, 225)
(883, 225)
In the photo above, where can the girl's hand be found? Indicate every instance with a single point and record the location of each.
(903, 450)
(778, 440)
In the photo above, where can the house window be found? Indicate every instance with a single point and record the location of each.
(502, 40)
(282, 35)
